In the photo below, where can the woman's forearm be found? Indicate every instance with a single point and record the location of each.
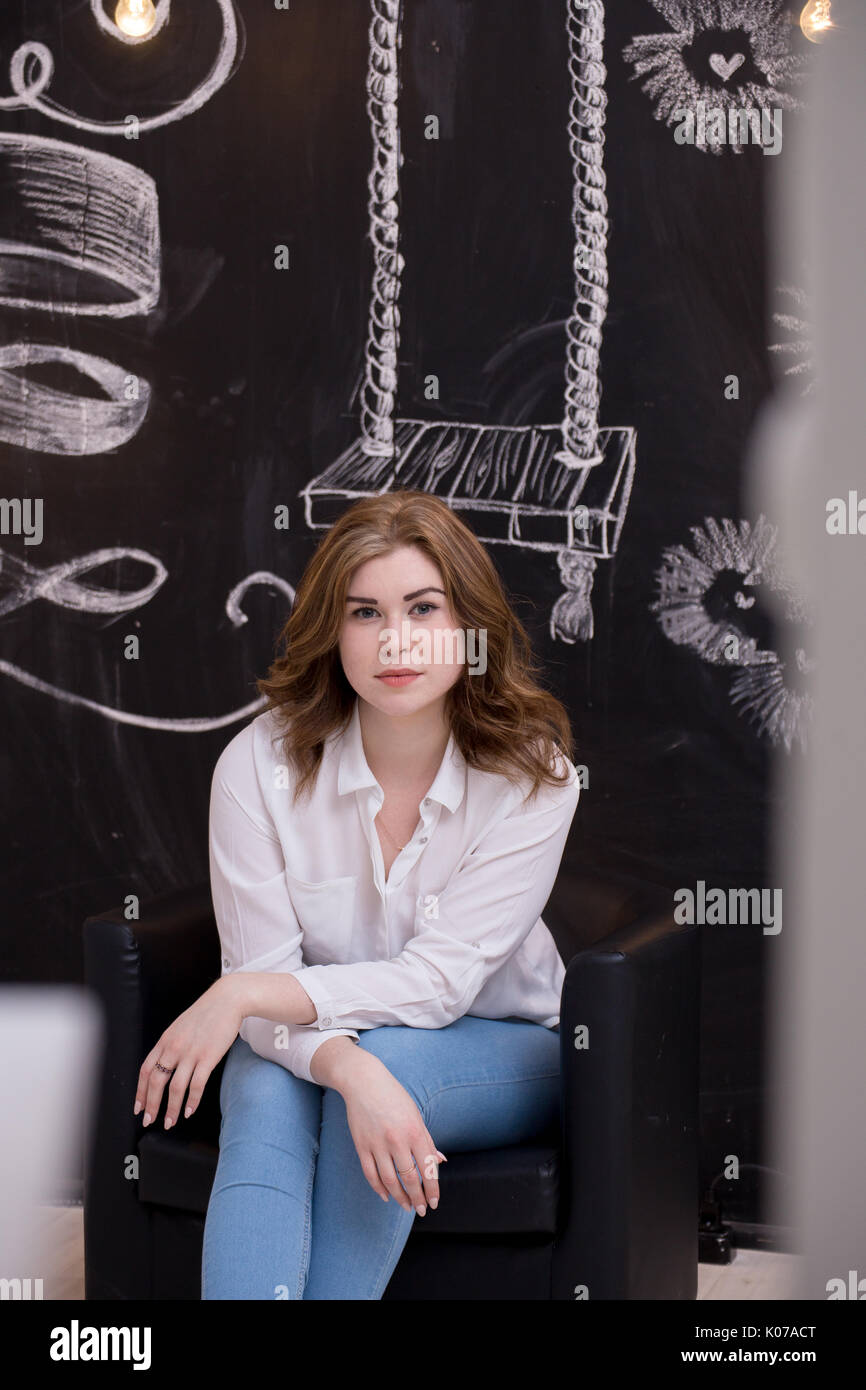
(279, 998)
(339, 1063)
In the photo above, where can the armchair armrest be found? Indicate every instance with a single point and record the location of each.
(629, 1035)
(144, 974)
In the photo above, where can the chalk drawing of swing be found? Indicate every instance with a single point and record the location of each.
(562, 488)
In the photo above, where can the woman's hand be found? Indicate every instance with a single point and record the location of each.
(190, 1048)
(390, 1136)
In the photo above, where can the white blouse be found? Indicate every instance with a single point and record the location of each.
(455, 929)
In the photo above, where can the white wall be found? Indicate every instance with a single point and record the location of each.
(806, 451)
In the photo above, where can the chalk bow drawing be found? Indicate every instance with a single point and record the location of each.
(796, 349)
(707, 601)
(561, 488)
(720, 53)
(61, 585)
(31, 69)
(36, 416)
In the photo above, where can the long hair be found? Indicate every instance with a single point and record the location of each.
(502, 720)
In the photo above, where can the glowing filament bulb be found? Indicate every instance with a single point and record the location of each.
(135, 17)
(815, 20)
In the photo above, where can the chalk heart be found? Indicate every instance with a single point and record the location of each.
(726, 67)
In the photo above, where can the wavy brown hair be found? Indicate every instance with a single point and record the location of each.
(503, 721)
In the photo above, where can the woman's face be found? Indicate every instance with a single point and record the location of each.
(397, 618)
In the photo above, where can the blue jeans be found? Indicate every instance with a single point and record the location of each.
(291, 1214)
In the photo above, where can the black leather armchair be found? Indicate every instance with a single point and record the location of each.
(604, 1206)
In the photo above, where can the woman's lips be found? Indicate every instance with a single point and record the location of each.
(395, 679)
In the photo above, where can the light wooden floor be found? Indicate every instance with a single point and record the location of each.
(753, 1274)
(759, 1274)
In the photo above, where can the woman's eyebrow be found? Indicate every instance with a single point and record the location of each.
(431, 589)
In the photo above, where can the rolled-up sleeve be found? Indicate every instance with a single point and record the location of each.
(257, 925)
(487, 909)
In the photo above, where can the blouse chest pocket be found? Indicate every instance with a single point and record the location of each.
(326, 913)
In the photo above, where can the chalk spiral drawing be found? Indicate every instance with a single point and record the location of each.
(561, 488)
(31, 69)
(66, 207)
(797, 348)
(714, 49)
(59, 585)
(703, 594)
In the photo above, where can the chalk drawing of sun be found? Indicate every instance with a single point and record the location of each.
(707, 600)
(722, 53)
(797, 347)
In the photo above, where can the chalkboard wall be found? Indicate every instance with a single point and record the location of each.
(209, 293)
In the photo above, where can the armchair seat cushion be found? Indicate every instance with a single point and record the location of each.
(512, 1191)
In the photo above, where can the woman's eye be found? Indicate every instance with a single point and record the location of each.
(362, 612)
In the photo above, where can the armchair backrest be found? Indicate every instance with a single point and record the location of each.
(585, 907)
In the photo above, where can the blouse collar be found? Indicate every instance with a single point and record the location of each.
(353, 771)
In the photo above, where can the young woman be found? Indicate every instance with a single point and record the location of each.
(383, 838)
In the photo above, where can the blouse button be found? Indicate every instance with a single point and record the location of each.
(426, 801)
(325, 1022)
(423, 840)
(226, 962)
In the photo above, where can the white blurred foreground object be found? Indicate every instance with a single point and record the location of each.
(807, 453)
(50, 1055)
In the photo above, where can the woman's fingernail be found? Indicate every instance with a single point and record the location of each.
(136, 1107)
(146, 1118)
(434, 1202)
(422, 1211)
(168, 1122)
(187, 1112)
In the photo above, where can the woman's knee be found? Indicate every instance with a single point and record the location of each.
(256, 1092)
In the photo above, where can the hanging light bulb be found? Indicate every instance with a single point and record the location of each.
(815, 20)
(135, 17)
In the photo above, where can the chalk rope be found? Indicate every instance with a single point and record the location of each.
(585, 30)
(378, 393)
